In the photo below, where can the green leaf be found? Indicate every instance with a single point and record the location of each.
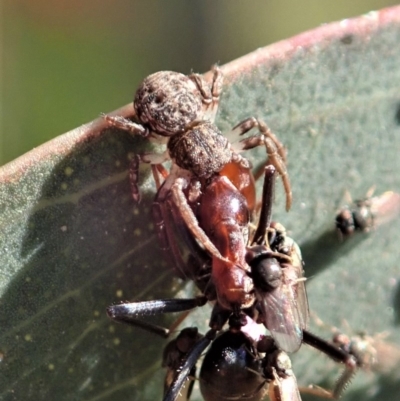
(73, 241)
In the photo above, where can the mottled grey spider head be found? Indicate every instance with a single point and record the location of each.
(168, 102)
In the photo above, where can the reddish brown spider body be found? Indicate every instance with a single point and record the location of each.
(224, 216)
(241, 177)
(213, 213)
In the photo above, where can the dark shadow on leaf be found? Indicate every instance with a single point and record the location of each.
(396, 305)
(321, 252)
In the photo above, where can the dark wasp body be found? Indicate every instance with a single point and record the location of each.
(241, 363)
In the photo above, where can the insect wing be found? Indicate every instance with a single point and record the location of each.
(388, 358)
(284, 389)
(285, 310)
(302, 304)
(290, 391)
(385, 208)
(298, 285)
(281, 319)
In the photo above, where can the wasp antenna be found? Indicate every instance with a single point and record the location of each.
(266, 205)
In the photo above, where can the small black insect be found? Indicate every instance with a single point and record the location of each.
(366, 214)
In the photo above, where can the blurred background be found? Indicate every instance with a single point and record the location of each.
(63, 62)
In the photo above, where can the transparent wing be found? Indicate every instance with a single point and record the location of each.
(284, 388)
(294, 278)
(285, 309)
(385, 208)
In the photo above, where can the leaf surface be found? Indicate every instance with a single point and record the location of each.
(73, 242)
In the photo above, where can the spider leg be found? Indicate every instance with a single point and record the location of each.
(190, 219)
(210, 93)
(126, 125)
(275, 150)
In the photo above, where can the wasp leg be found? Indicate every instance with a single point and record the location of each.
(264, 220)
(337, 354)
